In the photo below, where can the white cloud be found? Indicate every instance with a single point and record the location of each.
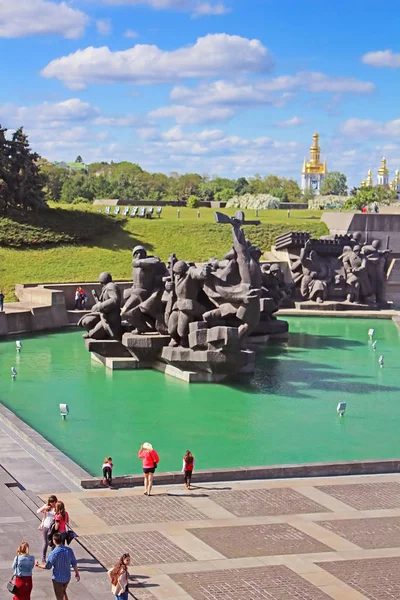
(382, 58)
(220, 100)
(367, 128)
(129, 33)
(264, 91)
(104, 26)
(208, 57)
(293, 122)
(206, 8)
(124, 121)
(210, 145)
(48, 114)
(196, 7)
(192, 115)
(23, 18)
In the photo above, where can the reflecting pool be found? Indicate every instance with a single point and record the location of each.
(286, 413)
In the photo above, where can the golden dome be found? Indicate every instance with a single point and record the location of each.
(383, 170)
(314, 165)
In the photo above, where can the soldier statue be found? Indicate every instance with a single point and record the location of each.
(104, 320)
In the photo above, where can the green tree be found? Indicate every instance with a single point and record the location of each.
(193, 201)
(364, 196)
(308, 195)
(79, 159)
(54, 179)
(384, 195)
(271, 182)
(224, 195)
(292, 190)
(354, 191)
(25, 182)
(279, 193)
(77, 185)
(206, 191)
(335, 183)
(241, 186)
(5, 196)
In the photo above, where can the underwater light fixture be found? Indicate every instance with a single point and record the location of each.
(341, 408)
(64, 411)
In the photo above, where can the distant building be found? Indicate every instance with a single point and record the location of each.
(395, 184)
(71, 166)
(314, 171)
(383, 178)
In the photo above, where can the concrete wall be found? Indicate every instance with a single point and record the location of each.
(383, 227)
(67, 291)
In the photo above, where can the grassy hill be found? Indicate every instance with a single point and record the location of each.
(76, 243)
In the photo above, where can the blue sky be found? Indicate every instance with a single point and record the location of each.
(234, 87)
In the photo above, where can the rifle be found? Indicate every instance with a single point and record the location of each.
(172, 296)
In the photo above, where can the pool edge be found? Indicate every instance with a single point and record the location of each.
(45, 448)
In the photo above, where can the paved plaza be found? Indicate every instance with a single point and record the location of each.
(303, 539)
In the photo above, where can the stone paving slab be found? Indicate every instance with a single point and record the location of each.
(265, 583)
(376, 579)
(265, 502)
(259, 540)
(366, 496)
(158, 508)
(145, 548)
(371, 533)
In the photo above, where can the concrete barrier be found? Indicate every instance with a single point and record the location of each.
(368, 467)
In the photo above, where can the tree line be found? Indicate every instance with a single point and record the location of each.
(28, 181)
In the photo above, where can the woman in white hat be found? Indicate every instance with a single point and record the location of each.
(150, 462)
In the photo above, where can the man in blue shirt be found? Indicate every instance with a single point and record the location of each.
(61, 559)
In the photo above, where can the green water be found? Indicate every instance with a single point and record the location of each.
(285, 414)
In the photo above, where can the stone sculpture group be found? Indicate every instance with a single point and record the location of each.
(337, 268)
(205, 315)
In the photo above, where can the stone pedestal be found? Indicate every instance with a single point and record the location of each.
(215, 351)
(332, 305)
(145, 347)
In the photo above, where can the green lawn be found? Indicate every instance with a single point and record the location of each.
(105, 243)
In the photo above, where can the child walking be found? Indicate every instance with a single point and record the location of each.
(187, 468)
(107, 471)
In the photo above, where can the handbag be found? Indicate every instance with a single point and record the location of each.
(70, 535)
(11, 587)
(50, 534)
(155, 465)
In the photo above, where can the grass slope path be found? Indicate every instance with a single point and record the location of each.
(77, 243)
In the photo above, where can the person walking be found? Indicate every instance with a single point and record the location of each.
(48, 511)
(1, 301)
(61, 559)
(78, 303)
(107, 471)
(187, 468)
(150, 463)
(61, 520)
(23, 565)
(119, 578)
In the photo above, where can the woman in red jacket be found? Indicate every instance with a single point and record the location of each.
(150, 462)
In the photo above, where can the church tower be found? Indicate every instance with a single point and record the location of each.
(313, 171)
(395, 185)
(383, 174)
(369, 181)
